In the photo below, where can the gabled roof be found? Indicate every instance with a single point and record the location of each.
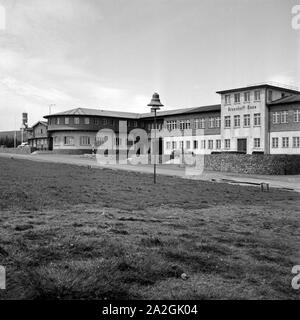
(210, 108)
(39, 122)
(257, 86)
(95, 112)
(289, 99)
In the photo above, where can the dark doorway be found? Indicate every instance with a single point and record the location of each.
(160, 149)
(50, 143)
(242, 145)
(160, 146)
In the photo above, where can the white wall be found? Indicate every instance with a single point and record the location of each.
(76, 136)
(242, 132)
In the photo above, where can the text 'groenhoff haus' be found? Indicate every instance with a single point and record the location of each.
(259, 118)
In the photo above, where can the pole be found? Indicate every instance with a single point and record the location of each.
(154, 146)
(15, 134)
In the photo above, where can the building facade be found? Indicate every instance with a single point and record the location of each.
(38, 137)
(255, 119)
(284, 123)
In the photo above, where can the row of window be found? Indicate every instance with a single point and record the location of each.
(282, 117)
(213, 122)
(193, 144)
(151, 126)
(285, 142)
(87, 121)
(246, 96)
(84, 140)
(211, 144)
(70, 141)
(246, 120)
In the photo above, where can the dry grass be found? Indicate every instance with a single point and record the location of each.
(68, 232)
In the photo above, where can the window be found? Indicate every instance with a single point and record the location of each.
(284, 115)
(41, 131)
(227, 98)
(210, 144)
(275, 142)
(237, 98)
(211, 122)
(257, 95)
(218, 122)
(257, 119)
(188, 144)
(67, 120)
(285, 142)
(237, 121)
(227, 143)
(296, 142)
(168, 145)
(247, 96)
(227, 121)
(69, 141)
(276, 117)
(85, 141)
(202, 123)
(86, 120)
(101, 140)
(181, 145)
(104, 121)
(246, 120)
(297, 115)
(76, 120)
(56, 140)
(196, 123)
(256, 142)
(118, 141)
(195, 144)
(181, 124)
(174, 145)
(270, 95)
(203, 144)
(184, 124)
(171, 125)
(57, 120)
(218, 144)
(135, 124)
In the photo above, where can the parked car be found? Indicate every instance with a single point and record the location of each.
(23, 145)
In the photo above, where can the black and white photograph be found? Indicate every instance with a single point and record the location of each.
(149, 151)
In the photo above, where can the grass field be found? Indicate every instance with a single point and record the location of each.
(73, 232)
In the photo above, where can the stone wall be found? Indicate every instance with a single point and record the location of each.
(26, 150)
(253, 164)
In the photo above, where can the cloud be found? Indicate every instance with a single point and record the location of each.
(25, 89)
(2, 18)
(283, 79)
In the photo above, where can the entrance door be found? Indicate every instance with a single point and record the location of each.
(242, 145)
(50, 141)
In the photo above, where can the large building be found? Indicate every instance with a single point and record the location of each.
(255, 119)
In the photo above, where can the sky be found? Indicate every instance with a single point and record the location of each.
(113, 54)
